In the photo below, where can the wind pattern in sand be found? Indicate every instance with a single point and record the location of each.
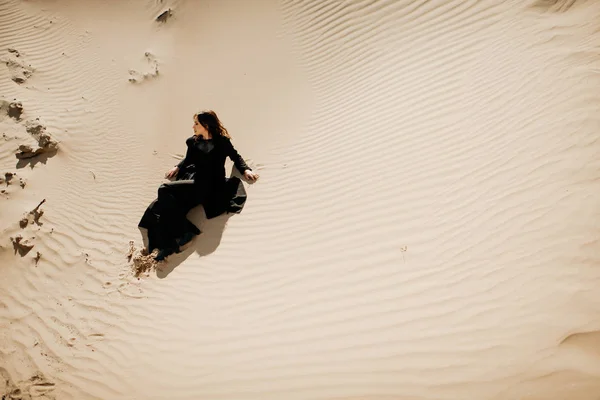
(425, 225)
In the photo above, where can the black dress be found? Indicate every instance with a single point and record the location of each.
(201, 180)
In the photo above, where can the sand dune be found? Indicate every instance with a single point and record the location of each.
(425, 225)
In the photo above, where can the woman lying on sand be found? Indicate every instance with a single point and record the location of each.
(200, 179)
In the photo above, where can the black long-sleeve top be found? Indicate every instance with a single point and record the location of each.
(207, 156)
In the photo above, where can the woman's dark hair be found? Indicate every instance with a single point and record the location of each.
(210, 121)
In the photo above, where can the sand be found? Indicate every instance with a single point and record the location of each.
(425, 225)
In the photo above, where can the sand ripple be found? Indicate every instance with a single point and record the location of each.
(425, 226)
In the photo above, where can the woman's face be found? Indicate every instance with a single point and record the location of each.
(199, 130)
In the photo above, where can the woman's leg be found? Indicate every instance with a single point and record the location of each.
(187, 231)
(175, 200)
(171, 205)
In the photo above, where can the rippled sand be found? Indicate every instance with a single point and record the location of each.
(425, 226)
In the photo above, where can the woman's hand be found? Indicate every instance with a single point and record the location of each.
(172, 172)
(251, 176)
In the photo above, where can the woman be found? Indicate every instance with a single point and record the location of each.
(200, 179)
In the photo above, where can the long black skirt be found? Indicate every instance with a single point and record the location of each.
(166, 216)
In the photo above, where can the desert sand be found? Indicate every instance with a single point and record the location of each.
(426, 223)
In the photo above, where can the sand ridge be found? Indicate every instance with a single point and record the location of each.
(424, 226)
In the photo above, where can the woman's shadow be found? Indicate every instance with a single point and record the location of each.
(204, 244)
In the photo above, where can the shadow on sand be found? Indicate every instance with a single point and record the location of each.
(204, 244)
(39, 158)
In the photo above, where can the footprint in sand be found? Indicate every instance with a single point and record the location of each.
(7, 181)
(19, 69)
(151, 71)
(23, 245)
(140, 262)
(37, 386)
(164, 15)
(12, 109)
(46, 145)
